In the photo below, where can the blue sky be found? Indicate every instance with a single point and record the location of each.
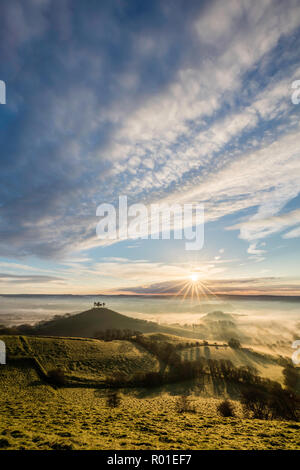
(162, 101)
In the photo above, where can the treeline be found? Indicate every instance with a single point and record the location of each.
(261, 398)
(163, 350)
(115, 334)
(176, 369)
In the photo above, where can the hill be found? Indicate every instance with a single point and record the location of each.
(84, 361)
(217, 316)
(36, 416)
(86, 324)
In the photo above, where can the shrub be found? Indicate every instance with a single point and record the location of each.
(57, 377)
(284, 404)
(183, 405)
(113, 399)
(255, 403)
(270, 403)
(226, 409)
(234, 343)
(4, 443)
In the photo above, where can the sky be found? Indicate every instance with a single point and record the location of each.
(165, 102)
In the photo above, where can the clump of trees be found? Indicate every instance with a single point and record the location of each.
(226, 409)
(183, 405)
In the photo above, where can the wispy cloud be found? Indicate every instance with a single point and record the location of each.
(248, 286)
(24, 279)
(169, 102)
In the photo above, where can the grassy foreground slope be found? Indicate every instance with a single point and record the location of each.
(34, 416)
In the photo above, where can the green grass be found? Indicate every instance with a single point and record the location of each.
(35, 415)
(265, 365)
(79, 419)
(81, 358)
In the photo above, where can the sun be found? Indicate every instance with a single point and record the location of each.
(194, 287)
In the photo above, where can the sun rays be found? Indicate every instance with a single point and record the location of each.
(194, 288)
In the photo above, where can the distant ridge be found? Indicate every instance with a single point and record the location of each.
(217, 315)
(263, 297)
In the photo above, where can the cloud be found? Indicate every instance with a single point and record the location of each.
(262, 227)
(27, 279)
(295, 233)
(162, 102)
(247, 286)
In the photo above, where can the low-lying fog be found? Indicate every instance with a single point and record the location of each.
(257, 322)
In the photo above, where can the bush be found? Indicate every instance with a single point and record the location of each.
(234, 343)
(226, 409)
(270, 403)
(255, 403)
(284, 404)
(183, 405)
(57, 377)
(113, 399)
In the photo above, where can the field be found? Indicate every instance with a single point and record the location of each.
(266, 364)
(35, 416)
(82, 359)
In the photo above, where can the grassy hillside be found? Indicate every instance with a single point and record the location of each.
(92, 360)
(35, 415)
(32, 418)
(84, 360)
(265, 365)
(87, 323)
